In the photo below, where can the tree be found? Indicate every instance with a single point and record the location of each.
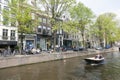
(107, 29)
(19, 15)
(82, 15)
(56, 8)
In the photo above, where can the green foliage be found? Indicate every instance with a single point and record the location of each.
(19, 16)
(106, 27)
(82, 16)
(16, 47)
(56, 8)
(69, 26)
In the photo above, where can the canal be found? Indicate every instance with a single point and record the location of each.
(69, 69)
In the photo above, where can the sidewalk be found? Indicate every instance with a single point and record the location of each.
(18, 60)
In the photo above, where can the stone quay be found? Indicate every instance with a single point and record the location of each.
(17, 60)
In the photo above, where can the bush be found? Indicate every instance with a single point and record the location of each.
(16, 47)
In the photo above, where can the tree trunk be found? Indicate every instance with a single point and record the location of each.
(83, 40)
(101, 42)
(21, 41)
(54, 43)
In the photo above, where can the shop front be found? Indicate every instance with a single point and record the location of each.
(7, 44)
(67, 44)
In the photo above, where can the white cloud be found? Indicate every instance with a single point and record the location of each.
(117, 13)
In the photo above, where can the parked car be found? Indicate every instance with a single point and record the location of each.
(62, 48)
(107, 46)
(81, 48)
(78, 49)
(98, 48)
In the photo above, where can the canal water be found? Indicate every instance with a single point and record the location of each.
(69, 69)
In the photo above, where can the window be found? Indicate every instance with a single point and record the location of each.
(12, 36)
(39, 29)
(13, 33)
(5, 33)
(0, 8)
(44, 32)
(49, 31)
(40, 20)
(13, 22)
(0, 19)
(5, 21)
(6, 8)
(48, 21)
(44, 20)
(33, 16)
(6, 1)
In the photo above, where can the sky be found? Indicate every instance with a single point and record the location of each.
(102, 6)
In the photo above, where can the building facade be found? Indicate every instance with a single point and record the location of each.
(71, 39)
(44, 33)
(42, 37)
(8, 33)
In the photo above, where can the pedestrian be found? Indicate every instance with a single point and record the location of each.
(1, 52)
(37, 50)
(9, 51)
(33, 51)
(119, 49)
(5, 52)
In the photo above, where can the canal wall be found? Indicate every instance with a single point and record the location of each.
(18, 60)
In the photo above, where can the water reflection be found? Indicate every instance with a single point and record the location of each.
(69, 69)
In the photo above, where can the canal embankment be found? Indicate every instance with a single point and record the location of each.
(18, 60)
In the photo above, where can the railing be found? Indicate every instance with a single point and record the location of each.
(46, 33)
(5, 37)
(12, 38)
(8, 38)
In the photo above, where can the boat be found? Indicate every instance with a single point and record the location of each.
(93, 60)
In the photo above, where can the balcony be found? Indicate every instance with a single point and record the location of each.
(13, 38)
(5, 37)
(46, 33)
(39, 31)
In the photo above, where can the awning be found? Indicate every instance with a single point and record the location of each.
(8, 42)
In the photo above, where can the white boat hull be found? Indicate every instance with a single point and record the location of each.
(94, 60)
